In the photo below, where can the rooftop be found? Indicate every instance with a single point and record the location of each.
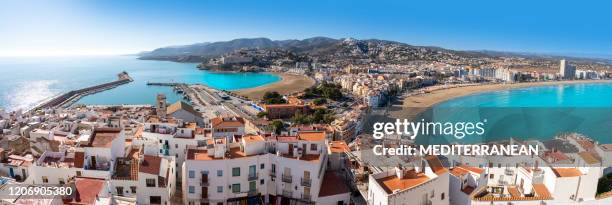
(102, 137)
(227, 122)
(150, 165)
(253, 138)
(311, 136)
(180, 105)
(410, 180)
(338, 147)
(332, 185)
(87, 190)
(566, 172)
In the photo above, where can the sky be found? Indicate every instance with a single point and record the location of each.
(107, 27)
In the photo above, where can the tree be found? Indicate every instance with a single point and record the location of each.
(262, 114)
(277, 126)
(273, 98)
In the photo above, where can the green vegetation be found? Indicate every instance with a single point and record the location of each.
(325, 90)
(605, 184)
(277, 126)
(262, 114)
(320, 115)
(319, 101)
(273, 98)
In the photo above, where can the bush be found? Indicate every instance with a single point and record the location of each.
(273, 98)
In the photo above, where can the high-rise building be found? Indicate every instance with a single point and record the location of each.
(566, 70)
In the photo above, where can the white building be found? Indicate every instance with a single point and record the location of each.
(425, 181)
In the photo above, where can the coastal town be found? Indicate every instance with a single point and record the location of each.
(295, 143)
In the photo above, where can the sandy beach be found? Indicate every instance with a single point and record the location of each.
(417, 103)
(290, 83)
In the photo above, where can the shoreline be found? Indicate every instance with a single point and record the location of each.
(288, 84)
(413, 105)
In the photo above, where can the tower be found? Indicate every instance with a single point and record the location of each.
(161, 106)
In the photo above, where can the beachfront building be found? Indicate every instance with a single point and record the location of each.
(424, 181)
(567, 71)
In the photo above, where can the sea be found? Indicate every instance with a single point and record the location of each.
(27, 81)
(533, 113)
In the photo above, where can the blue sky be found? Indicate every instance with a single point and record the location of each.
(68, 27)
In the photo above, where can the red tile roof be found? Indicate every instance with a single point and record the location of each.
(150, 165)
(103, 137)
(332, 184)
(87, 190)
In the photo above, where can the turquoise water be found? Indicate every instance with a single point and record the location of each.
(533, 113)
(25, 81)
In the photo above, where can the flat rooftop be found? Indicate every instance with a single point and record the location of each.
(103, 137)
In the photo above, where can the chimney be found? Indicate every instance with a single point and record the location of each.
(399, 172)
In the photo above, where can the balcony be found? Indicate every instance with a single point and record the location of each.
(204, 181)
(306, 197)
(253, 176)
(273, 174)
(287, 178)
(306, 182)
(287, 193)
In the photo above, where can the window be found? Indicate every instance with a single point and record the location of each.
(442, 196)
(78, 173)
(433, 193)
(219, 173)
(261, 166)
(252, 186)
(219, 189)
(313, 147)
(155, 199)
(191, 174)
(273, 170)
(133, 188)
(236, 188)
(191, 189)
(45, 179)
(176, 146)
(150, 182)
(491, 176)
(61, 181)
(236, 171)
(119, 190)
(261, 181)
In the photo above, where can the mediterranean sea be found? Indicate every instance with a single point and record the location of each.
(26, 81)
(539, 113)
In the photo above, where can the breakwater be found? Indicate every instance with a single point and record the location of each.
(68, 98)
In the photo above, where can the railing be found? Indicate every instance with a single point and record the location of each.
(287, 178)
(253, 176)
(204, 181)
(306, 182)
(273, 174)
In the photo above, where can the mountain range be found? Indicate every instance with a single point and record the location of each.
(324, 47)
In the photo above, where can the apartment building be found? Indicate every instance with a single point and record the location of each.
(253, 168)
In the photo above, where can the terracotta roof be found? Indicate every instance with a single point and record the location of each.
(332, 184)
(286, 138)
(150, 165)
(103, 137)
(458, 171)
(338, 147)
(87, 189)
(180, 105)
(311, 136)
(410, 180)
(473, 169)
(79, 159)
(227, 122)
(514, 192)
(541, 191)
(566, 172)
(253, 138)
